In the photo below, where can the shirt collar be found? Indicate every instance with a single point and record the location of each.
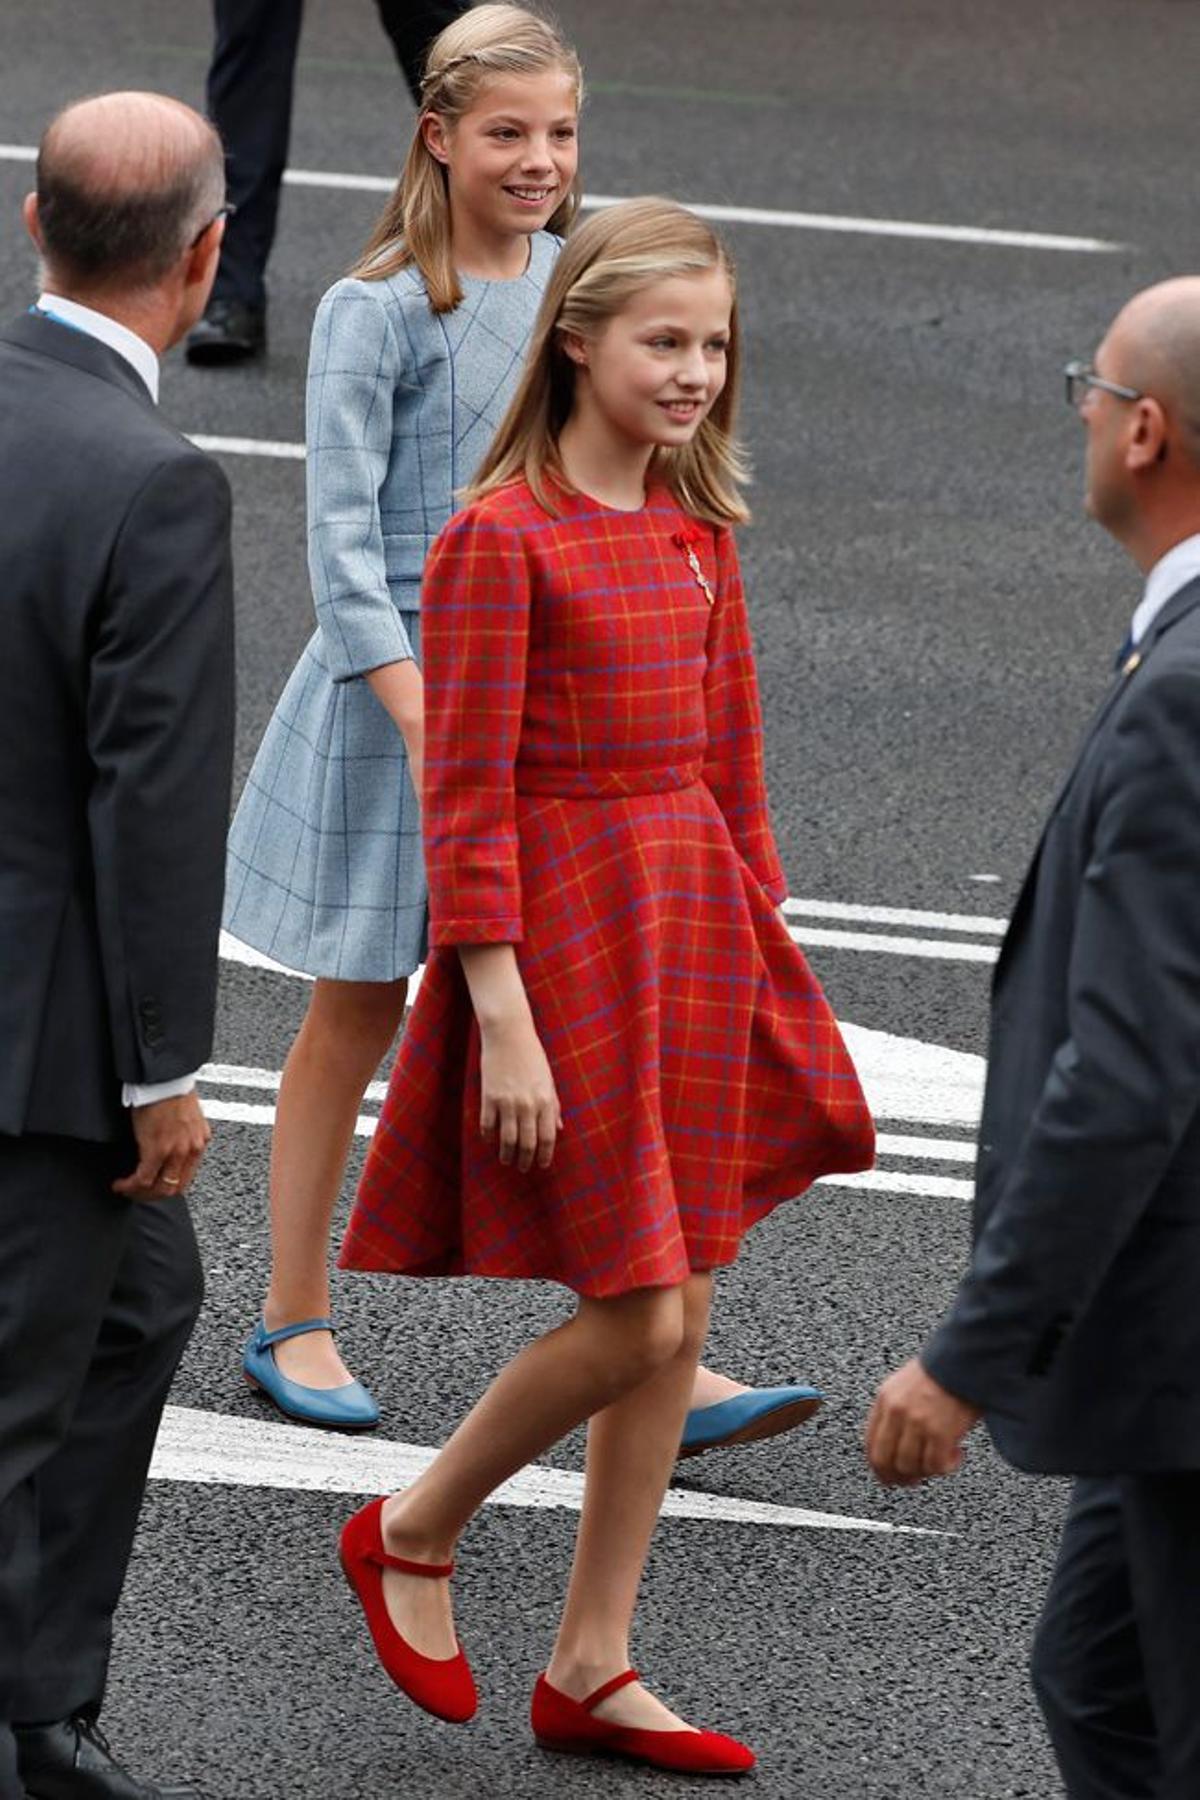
(1170, 573)
(126, 343)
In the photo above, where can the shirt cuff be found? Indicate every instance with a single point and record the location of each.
(150, 1092)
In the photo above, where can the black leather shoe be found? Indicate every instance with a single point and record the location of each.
(228, 333)
(71, 1760)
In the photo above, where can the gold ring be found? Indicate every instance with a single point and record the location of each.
(171, 1180)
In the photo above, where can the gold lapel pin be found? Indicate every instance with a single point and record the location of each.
(1131, 663)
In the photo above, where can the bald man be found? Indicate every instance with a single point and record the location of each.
(116, 702)
(1076, 1331)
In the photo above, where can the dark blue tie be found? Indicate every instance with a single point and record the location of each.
(1125, 652)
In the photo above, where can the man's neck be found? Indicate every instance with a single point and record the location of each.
(1157, 537)
(145, 319)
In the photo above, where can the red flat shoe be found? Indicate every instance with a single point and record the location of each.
(442, 1685)
(560, 1723)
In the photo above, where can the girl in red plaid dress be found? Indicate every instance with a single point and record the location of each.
(618, 1059)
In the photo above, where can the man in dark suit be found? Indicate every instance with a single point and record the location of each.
(116, 713)
(249, 96)
(1076, 1331)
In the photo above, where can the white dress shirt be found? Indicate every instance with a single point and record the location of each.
(1170, 573)
(126, 343)
(138, 353)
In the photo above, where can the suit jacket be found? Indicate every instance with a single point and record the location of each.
(1077, 1328)
(116, 710)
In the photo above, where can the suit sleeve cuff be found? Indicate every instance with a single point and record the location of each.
(148, 1093)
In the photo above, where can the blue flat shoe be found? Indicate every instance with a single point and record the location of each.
(346, 1408)
(758, 1413)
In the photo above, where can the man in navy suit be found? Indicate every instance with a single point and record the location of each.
(1076, 1331)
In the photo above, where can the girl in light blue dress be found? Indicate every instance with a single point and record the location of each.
(414, 358)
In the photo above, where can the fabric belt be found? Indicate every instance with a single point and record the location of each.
(604, 784)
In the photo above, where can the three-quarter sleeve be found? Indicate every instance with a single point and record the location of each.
(475, 601)
(355, 366)
(733, 761)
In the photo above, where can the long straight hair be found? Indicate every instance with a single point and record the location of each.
(414, 228)
(616, 254)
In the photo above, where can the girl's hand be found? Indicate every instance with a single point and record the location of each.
(399, 689)
(519, 1102)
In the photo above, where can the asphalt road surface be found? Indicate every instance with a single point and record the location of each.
(934, 619)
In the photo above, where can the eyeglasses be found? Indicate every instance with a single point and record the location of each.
(1080, 376)
(225, 212)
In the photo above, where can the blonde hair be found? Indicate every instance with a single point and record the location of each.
(616, 254)
(414, 226)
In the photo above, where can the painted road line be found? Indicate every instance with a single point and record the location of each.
(937, 949)
(813, 937)
(907, 1079)
(241, 1076)
(233, 950)
(987, 236)
(904, 1079)
(882, 1181)
(250, 1112)
(925, 1149)
(895, 915)
(888, 228)
(891, 1181)
(214, 1448)
(240, 446)
(920, 1149)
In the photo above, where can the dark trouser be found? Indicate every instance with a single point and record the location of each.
(98, 1297)
(1116, 1662)
(250, 102)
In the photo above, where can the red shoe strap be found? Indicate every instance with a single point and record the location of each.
(611, 1686)
(435, 1571)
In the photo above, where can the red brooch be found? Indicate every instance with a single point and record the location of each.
(687, 539)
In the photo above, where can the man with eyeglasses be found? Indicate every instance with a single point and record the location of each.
(1076, 1331)
(116, 708)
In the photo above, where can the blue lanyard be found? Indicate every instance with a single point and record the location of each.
(43, 312)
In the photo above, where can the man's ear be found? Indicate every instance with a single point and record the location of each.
(433, 135)
(202, 256)
(29, 213)
(1148, 440)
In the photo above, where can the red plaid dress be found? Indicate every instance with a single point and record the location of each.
(594, 795)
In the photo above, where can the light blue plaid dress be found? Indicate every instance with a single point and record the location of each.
(325, 872)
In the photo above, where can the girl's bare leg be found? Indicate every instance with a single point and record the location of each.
(609, 1348)
(346, 1033)
(710, 1388)
(631, 1452)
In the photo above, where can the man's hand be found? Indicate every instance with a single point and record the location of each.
(172, 1136)
(916, 1429)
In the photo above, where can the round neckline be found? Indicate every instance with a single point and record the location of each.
(653, 488)
(502, 280)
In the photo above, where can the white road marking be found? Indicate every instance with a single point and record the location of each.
(213, 1448)
(926, 1149)
(889, 1181)
(889, 228)
(895, 915)
(233, 950)
(735, 215)
(240, 446)
(938, 949)
(885, 943)
(906, 1078)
